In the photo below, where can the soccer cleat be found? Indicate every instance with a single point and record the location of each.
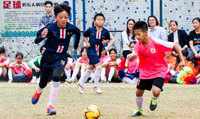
(137, 113)
(80, 88)
(51, 110)
(97, 90)
(35, 97)
(153, 104)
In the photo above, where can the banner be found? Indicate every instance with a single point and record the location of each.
(20, 18)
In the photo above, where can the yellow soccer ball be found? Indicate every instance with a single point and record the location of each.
(92, 112)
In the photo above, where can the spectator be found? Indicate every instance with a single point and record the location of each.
(35, 65)
(48, 18)
(154, 30)
(4, 61)
(18, 67)
(194, 40)
(127, 37)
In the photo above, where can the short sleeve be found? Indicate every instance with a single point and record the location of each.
(136, 47)
(191, 36)
(87, 33)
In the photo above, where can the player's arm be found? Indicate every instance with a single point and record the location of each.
(78, 34)
(85, 37)
(178, 50)
(107, 39)
(111, 42)
(133, 56)
(42, 36)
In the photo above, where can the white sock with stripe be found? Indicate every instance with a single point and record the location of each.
(53, 92)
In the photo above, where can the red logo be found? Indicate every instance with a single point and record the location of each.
(16, 4)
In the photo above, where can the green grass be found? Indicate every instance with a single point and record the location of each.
(117, 102)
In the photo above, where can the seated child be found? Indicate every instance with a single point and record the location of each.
(35, 65)
(112, 65)
(18, 67)
(4, 61)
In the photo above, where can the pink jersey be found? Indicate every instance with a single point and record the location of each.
(19, 69)
(152, 58)
(80, 60)
(118, 63)
(5, 60)
(103, 59)
(132, 66)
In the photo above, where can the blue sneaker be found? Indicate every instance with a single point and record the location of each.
(51, 110)
(35, 97)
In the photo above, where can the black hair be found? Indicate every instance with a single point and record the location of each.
(48, 2)
(112, 49)
(92, 23)
(41, 48)
(157, 23)
(82, 49)
(185, 53)
(196, 18)
(174, 22)
(127, 30)
(60, 8)
(132, 42)
(66, 2)
(140, 25)
(2, 50)
(103, 50)
(19, 54)
(98, 14)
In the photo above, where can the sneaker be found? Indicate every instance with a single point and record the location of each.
(97, 90)
(10, 80)
(51, 110)
(80, 88)
(35, 97)
(153, 104)
(67, 81)
(33, 81)
(137, 113)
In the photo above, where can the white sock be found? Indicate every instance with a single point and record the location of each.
(97, 76)
(76, 70)
(10, 75)
(53, 92)
(92, 77)
(1, 70)
(139, 101)
(33, 79)
(103, 73)
(155, 97)
(38, 89)
(111, 73)
(68, 73)
(128, 80)
(85, 77)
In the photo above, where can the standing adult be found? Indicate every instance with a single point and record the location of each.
(127, 37)
(48, 18)
(154, 30)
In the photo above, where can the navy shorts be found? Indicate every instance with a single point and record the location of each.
(93, 59)
(51, 60)
(146, 84)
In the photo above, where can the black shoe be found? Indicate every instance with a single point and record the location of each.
(137, 113)
(153, 104)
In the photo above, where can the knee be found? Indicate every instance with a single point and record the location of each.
(42, 84)
(56, 77)
(139, 93)
(98, 67)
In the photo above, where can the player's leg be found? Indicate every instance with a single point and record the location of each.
(84, 78)
(83, 68)
(57, 71)
(75, 72)
(97, 76)
(111, 73)
(67, 73)
(4, 71)
(41, 85)
(103, 74)
(156, 90)
(11, 73)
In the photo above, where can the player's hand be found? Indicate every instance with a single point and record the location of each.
(174, 53)
(182, 64)
(104, 42)
(37, 69)
(132, 57)
(44, 33)
(75, 51)
(67, 66)
(87, 45)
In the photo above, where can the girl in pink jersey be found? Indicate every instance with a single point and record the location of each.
(3, 62)
(112, 65)
(17, 67)
(103, 58)
(152, 65)
(81, 63)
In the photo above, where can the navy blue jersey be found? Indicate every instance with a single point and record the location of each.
(95, 40)
(58, 39)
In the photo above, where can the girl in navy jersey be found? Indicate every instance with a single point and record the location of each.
(54, 58)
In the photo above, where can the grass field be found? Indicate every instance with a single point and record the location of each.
(117, 102)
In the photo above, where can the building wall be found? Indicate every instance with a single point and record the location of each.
(116, 12)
